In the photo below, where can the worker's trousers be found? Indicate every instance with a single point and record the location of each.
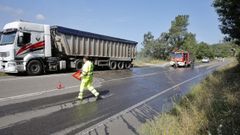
(86, 83)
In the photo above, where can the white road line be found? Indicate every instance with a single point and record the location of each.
(33, 77)
(33, 94)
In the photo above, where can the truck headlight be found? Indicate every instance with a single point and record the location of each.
(11, 64)
(19, 62)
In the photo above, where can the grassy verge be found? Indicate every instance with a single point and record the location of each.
(212, 107)
(147, 61)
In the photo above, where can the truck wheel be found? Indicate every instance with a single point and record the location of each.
(128, 65)
(79, 64)
(34, 67)
(113, 65)
(120, 65)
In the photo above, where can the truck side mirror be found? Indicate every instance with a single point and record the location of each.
(0, 35)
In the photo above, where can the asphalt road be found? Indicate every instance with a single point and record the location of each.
(33, 105)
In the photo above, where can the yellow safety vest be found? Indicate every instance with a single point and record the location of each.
(87, 69)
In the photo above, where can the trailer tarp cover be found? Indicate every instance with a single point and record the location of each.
(69, 31)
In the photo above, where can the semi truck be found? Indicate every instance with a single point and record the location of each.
(39, 48)
(180, 58)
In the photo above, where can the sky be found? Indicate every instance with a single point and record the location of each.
(128, 19)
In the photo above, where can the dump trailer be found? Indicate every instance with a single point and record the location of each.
(38, 48)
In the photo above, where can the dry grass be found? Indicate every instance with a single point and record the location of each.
(212, 107)
(2, 74)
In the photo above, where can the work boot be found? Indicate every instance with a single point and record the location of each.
(80, 99)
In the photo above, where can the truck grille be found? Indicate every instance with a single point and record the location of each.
(4, 54)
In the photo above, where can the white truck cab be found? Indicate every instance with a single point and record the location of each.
(21, 42)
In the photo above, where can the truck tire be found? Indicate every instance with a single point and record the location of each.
(128, 65)
(78, 64)
(113, 65)
(34, 67)
(120, 65)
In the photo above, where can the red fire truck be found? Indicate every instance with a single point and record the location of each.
(180, 58)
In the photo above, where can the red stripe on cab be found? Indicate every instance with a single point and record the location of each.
(30, 46)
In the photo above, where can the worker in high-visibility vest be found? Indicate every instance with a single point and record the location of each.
(87, 79)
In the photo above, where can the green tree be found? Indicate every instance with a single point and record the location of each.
(229, 12)
(148, 43)
(163, 46)
(226, 49)
(221, 50)
(178, 31)
(190, 44)
(204, 50)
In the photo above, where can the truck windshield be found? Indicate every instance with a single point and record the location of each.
(178, 55)
(7, 38)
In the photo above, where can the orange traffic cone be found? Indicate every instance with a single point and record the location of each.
(60, 85)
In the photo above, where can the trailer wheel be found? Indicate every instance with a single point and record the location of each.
(113, 65)
(120, 65)
(34, 67)
(78, 64)
(127, 65)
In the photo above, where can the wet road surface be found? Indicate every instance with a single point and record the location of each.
(33, 105)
